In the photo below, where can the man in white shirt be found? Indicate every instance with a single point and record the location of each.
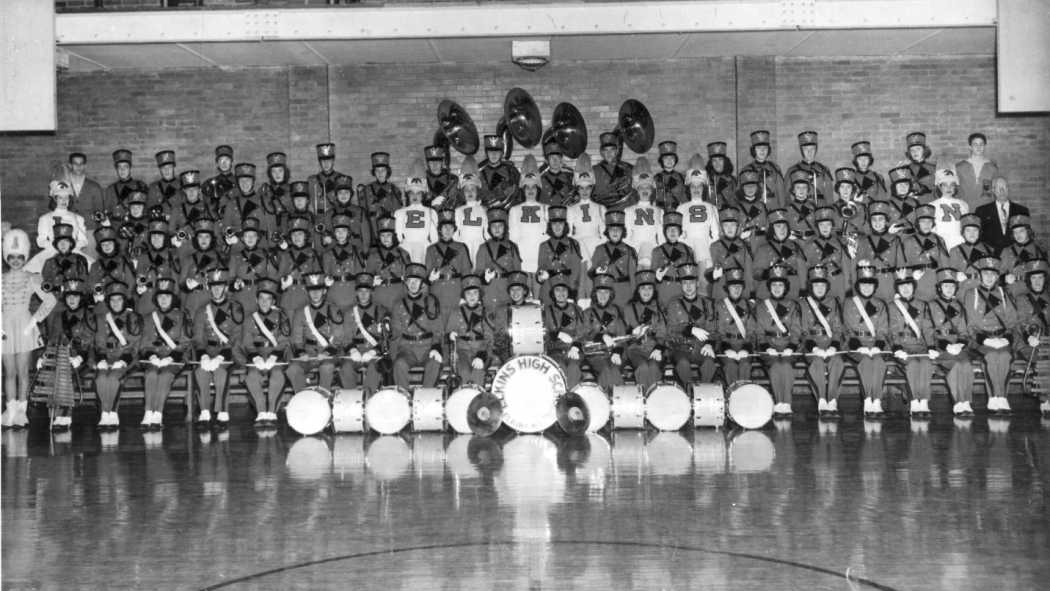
(950, 209)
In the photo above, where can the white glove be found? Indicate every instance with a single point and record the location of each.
(639, 331)
(699, 333)
(232, 239)
(192, 283)
(205, 362)
(656, 355)
(377, 281)
(615, 359)
(166, 361)
(329, 281)
(118, 364)
(542, 276)
(746, 234)
(217, 361)
(870, 351)
(259, 363)
(608, 340)
(707, 351)
(99, 297)
(772, 352)
(155, 361)
(434, 275)
(435, 356)
(954, 348)
(489, 275)
(102, 365)
(818, 352)
(369, 356)
(565, 338)
(283, 245)
(933, 353)
(731, 354)
(176, 242)
(716, 273)
(574, 353)
(602, 270)
(326, 240)
(787, 352)
(660, 273)
(900, 355)
(140, 289)
(238, 284)
(355, 356)
(437, 201)
(40, 362)
(76, 362)
(1033, 341)
(960, 277)
(286, 281)
(917, 274)
(1010, 278)
(477, 363)
(829, 352)
(989, 343)
(452, 335)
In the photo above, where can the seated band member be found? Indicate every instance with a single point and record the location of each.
(733, 322)
(880, 248)
(250, 262)
(922, 253)
(604, 322)
(216, 328)
(117, 335)
(263, 349)
(730, 251)
(559, 255)
(644, 319)
(415, 323)
(972, 249)
(386, 262)
(447, 262)
(157, 260)
(667, 257)
(689, 320)
(993, 322)
(616, 258)
(951, 339)
(165, 346)
(865, 322)
(342, 261)
(911, 342)
(779, 250)
(369, 326)
(295, 263)
(777, 331)
(821, 325)
(471, 333)
(1022, 248)
(496, 258)
(563, 325)
(828, 250)
(1033, 310)
(73, 325)
(318, 335)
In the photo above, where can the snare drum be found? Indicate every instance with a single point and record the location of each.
(750, 405)
(456, 408)
(628, 407)
(667, 407)
(526, 330)
(529, 386)
(348, 411)
(709, 405)
(598, 404)
(389, 410)
(309, 411)
(428, 410)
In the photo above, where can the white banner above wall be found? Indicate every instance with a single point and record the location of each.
(1024, 56)
(27, 66)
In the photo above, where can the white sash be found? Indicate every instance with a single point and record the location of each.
(265, 331)
(864, 316)
(115, 329)
(364, 332)
(820, 317)
(163, 334)
(313, 329)
(773, 314)
(736, 317)
(907, 317)
(210, 313)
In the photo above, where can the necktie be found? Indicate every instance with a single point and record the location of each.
(1002, 216)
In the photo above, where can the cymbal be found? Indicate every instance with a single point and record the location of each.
(458, 127)
(570, 130)
(523, 117)
(636, 126)
(573, 415)
(485, 414)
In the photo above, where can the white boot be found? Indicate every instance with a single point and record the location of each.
(158, 418)
(967, 408)
(1044, 407)
(822, 405)
(924, 406)
(223, 417)
(869, 406)
(114, 418)
(147, 418)
(833, 405)
(993, 403)
(914, 408)
(957, 408)
(878, 407)
(103, 420)
(1004, 405)
(20, 419)
(205, 416)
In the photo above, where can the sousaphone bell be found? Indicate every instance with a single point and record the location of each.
(522, 117)
(457, 127)
(568, 130)
(635, 127)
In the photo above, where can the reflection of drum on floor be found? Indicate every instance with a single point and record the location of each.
(428, 454)
(709, 451)
(669, 454)
(526, 330)
(751, 451)
(348, 456)
(348, 411)
(388, 457)
(529, 386)
(308, 459)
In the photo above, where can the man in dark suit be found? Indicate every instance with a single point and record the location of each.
(995, 230)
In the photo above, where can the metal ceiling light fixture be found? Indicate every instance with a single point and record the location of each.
(531, 55)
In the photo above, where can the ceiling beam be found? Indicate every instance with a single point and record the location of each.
(514, 20)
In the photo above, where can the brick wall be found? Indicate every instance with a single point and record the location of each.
(393, 108)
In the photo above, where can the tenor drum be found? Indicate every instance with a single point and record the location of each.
(709, 405)
(529, 386)
(456, 408)
(628, 407)
(389, 410)
(598, 404)
(348, 411)
(667, 407)
(526, 330)
(750, 405)
(309, 411)
(428, 410)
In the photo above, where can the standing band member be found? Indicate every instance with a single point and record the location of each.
(496, 258)
(447, 261)
(559, 256)
(71, 325)
(386, 263)
(616, 258)
(263, 349)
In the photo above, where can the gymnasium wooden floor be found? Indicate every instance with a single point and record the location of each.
(858, 505)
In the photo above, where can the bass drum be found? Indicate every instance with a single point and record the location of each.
(750, 405)
(428, 410)
(709, 405)
(456, 408)
(628, 407)
(309, 411)
(529, 387)
(526, 330)
(598, 405)
(389, 410)
(667, 407)
(348, 411)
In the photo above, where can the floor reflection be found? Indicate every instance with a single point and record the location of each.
(960, 505)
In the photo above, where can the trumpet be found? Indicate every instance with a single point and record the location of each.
(230, 232)
(847, 209)
(46, 286)
(98, 289)
(319, 228)
(181, 235)
(142, 280)
(100, 216)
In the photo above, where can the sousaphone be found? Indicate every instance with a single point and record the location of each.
(635, 126)
(457, 127)
(442, 141)
(568, 130)
(522, 117)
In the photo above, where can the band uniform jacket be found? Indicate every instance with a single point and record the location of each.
(567, 318)
(321, 186)
(229, 316)
(115, 196)
(924, 173)
(926, 253)
(108, 269)
(725, 333)
(670, 255)
(561, 257)
(604, 320)
(620, 258)
(276, 197)
(902, 337)
(831, 253)
(153, 264)
(787, 253)
(733, 253)
(133, 235)
(176, 324)
(378, 200)
(800, 218)
(360, 226)
(871, 186)
(253, 342)
(107, 345)
(241, 206)
(949, 323)
(754, 216)
(671, 190)
(501, 256)
(296, 262)
(60, 267)
(556, 188)
(475, 332)
(612, 185)
(450, 259)
(329, 321)
(374, 319)
(444, 184)
(724, 186)
(772, 194)
(821, 180)
(215, 189)
(768, 334)
(499, 184)
(637, 314)
(163, 194)
(812, 332)
(991, 313)
(1033, 312)
(342, 262)
(685, 314)
(416, 322)
(197, 264)
(883, 252)
(903, 213)
(185, 213)
(388, 264)
(1014, 256)
(856, 330)
(76, 328)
